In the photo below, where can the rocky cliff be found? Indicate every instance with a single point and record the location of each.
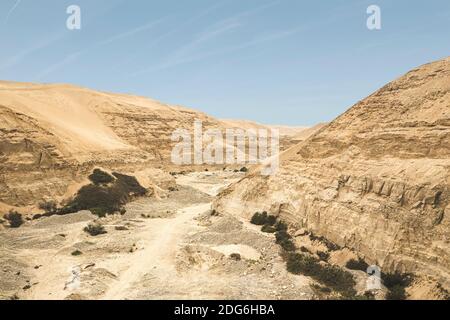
(52, 136)
(376, 179)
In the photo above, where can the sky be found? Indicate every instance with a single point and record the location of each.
(290, 62)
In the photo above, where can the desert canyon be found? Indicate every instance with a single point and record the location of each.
(371, 186)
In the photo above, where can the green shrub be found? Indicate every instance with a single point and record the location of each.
(99, 177)
(330, 276)
(321, 289)
(268, 229)
(48, 206)
(396, 279)
(243, 169)
(100, 212)
(271, 220)
(263, 218)
(284, 240)
(105, 199)
(396, 292)
(15, 219)
(396, 284)
(77, 253)
(359, 264)
(281, 226)
(95, 229)
(129, 184)
(259, 219)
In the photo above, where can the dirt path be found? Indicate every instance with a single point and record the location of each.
(169, 248)
(160, 240)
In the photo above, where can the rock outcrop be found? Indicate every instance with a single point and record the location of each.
(375, 180)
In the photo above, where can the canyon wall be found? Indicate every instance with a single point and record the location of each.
(376, 179)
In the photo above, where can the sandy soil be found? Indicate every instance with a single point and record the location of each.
(171, 248)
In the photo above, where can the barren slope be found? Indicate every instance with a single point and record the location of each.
(377, 179)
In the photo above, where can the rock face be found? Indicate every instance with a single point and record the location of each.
(376, 179)
(51, 136)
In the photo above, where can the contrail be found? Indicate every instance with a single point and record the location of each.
(12, 10)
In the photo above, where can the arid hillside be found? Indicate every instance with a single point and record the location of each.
(375, 180)
(51, 136)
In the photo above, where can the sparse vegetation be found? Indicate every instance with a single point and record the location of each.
(99, 177)
(94, 229)
(48, 206)
(284, 240)
(359, 264)
(77, 253)
(396, 283)
(330, 276)
(235, 256)
(244, 169)
(268, 229)
(103, 199)
(263, 218)
(281, 226)
(14, 218)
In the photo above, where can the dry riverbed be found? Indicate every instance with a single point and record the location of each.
(170, 248)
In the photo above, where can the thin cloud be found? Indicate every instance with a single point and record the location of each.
(182, 55)
(17, 58)
(260, 40)
(179, 27)
(75, 55)
(14, 7)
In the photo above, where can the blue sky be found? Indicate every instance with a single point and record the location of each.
(288, 62)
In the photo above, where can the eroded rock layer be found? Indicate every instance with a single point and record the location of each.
(376, 179)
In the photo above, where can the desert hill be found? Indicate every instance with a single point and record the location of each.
(375, 180)
(52, 135)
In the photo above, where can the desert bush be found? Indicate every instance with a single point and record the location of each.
(330, 276)
(129, 184)
(99, 177)
(235, 256)
(396, 284)
(15, 219)
(263, 218)
(244, 169)
(77, 253)
(48, 206)
(268, 229)
(271, 220)
(321, 289)
(105, 199)
(99, 212)
(259, 219)
(359, 264)
(98, 199)
(284, 240)
(324, 256)
(396, 292)
(281, 226)
(94, 229)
